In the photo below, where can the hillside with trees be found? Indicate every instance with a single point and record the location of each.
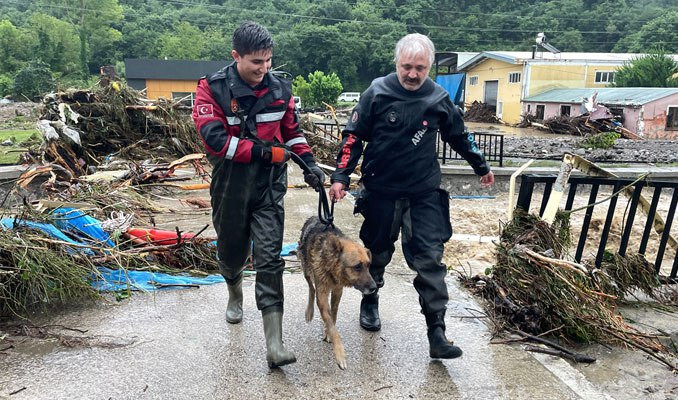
(352, 38)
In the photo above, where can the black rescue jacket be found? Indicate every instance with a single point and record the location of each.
(400, 128)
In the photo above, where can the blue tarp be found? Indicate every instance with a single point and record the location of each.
(48, 229)
(454, 84)
(81, 225)
(89, 228)
(116, 279)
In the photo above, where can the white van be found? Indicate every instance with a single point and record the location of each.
(349, 96)
(297, 103)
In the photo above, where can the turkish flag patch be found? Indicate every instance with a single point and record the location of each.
(205, 110)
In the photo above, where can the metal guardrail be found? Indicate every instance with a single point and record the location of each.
(490, 144)
(527, 188)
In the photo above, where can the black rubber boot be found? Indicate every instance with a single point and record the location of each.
(234, 307)
(369, 313)
(439, 346)
(276, 354)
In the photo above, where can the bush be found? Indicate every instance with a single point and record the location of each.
(6, 84)
(603, 140)
(33, 81)
(318, 89)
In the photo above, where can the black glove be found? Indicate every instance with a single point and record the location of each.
(315, 177)
(270, 155)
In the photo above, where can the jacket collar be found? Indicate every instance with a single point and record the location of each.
(240, 89)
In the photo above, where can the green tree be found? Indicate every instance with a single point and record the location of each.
(6, 85)
(33, 80)
(95, 22)
(15, 47)
(56, 43)
(187, 43)
(301, 88)
(652, 70)
(324, 88)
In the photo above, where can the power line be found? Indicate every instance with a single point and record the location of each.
(392, 24)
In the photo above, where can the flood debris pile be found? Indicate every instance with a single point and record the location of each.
(480, 112)
(36, 270)
(598, 119)
(53, 258)
(81, 128)
(533, 290)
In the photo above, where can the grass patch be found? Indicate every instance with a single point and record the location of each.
(21, 138)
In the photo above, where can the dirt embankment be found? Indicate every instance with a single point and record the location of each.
(623, 151)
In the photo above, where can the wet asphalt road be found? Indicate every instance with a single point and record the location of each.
(176, 344)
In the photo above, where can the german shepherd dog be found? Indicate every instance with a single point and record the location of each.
(330, 262)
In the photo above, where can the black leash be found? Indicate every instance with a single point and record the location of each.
(325, 211)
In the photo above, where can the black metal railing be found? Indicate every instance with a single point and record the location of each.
(580, 184)
(490, 144)
(329, 130)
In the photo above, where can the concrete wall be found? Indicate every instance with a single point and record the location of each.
(562, 75)
(507, 93)
(652, 122)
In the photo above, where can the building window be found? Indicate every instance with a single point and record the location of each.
(514, 77)
(529, 108)
(540, 111)
(473, 80)
(672, 118)
(604, 77)
(184, 98)
(565, 110)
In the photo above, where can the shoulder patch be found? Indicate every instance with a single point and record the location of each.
(205, 110)
(354, 116)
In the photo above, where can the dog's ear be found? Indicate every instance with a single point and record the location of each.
(369, 254)
(335, 244)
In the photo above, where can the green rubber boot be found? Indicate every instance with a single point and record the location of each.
(276, 354)
(234, 307)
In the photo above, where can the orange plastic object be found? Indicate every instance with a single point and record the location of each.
(155, 236)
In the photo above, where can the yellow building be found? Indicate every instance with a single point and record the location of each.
(170, 79)
(502, 79)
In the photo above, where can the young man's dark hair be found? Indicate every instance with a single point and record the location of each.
(251, 37)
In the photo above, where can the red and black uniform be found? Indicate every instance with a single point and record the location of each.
(401, 175)
(247, 191)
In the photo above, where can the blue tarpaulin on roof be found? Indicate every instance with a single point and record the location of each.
(454, 85)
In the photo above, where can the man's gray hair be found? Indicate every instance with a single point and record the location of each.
(415, 43)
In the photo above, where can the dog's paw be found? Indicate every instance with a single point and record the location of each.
(309, 314)
(326, 337)
(341, 362)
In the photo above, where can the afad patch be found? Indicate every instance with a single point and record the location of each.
(205, 110)
(354, 117)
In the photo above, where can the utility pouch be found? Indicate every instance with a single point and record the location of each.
(446, 225)
(361, 199)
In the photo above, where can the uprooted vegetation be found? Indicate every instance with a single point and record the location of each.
(533, 290)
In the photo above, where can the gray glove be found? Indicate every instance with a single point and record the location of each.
(315, 177)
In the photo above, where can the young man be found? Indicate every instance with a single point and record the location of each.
(246, 119)
(399, 116)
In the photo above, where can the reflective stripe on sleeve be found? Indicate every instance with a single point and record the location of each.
(296, 140)
(232, 146)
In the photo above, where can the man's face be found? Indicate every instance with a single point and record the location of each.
(412, 70)
(252, 67)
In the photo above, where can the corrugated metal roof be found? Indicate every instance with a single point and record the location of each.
(617, 96)
(171, 69)
(519, 57)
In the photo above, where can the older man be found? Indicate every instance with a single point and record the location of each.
(399, 116)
